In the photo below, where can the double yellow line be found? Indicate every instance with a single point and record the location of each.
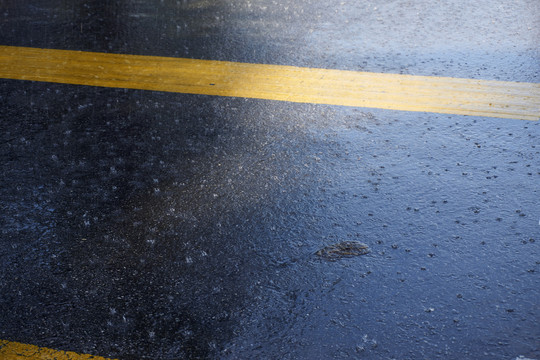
(500, 99)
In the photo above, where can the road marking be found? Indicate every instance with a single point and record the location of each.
(10, 350)
(501, 99)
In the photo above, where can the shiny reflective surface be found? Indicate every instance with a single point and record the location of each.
(139, 224)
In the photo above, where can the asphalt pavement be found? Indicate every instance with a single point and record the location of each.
(143, 224)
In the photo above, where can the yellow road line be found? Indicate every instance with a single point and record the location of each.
(501, 99)
(10, 350)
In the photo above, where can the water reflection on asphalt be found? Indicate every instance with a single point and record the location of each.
(140, 224)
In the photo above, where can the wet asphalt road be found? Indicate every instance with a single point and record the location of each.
(139, 224)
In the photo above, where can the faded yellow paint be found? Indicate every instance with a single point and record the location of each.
(501, 99)
(10, 350)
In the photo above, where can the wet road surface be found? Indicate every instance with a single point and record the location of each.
(139, 224)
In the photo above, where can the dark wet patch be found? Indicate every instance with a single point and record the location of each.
(343, 249)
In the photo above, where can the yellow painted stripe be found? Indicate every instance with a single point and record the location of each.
(502, 99)
(10, 350)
